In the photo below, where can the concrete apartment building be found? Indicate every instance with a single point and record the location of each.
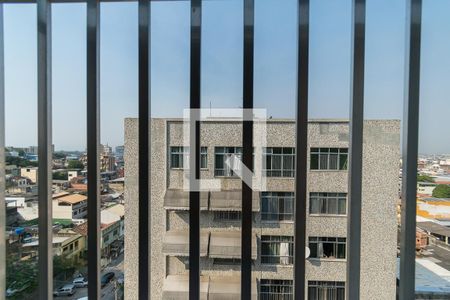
(272, 211)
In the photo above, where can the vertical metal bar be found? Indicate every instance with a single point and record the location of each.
(93, 143)
(356, 150)
(144, 150)
(45, 149)
(410, 149)
(247, 151)
(194, 195)
(301, 151)
(2, 162)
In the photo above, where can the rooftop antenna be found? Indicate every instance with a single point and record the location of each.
(209, 108)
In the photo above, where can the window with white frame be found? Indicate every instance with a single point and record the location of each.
(327, 247)
(223, 154)
(277, 249)
(276, 289)
(329, 158)
(179, 157)
(277, 206)
(279, 162)
(328, 203)
(326, 290)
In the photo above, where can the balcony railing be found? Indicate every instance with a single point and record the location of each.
(410, 148)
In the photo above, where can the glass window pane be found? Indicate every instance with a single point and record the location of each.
(323, 205)
(341, 251)
(333, 162)
(323, 161)
(332, 206)
(342, 206)
(314, 164)
(343, 161)
(313, 250)
(204, 161)
(276, 162)
(314, 207)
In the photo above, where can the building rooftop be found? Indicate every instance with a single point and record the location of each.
(445, 201)
(56, 240)
(430, 279)
(434, 228)
(59, 195)
(72, 199)
(83, 228)
(118, 209)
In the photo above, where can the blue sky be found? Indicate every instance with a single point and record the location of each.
(275, 64)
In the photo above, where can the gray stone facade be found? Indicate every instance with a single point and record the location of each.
(380, 192)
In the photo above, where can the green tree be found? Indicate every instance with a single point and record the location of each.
(59, 155)
(63, 267)
(60, 176)
(20, 162)
(441, 191)
(75, 164)
(21, 274)
(424, 178)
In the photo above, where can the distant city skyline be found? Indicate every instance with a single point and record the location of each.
(222, 36)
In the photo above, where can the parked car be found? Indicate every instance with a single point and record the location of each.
(80, 282)
(17, 287)
(65, 290)
(106, 278)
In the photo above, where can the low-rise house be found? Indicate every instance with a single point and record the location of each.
(68, 244)
(440, 233)
(118, 211)
(109, 235)
(30, 173)
(72, 206)
(425, 189)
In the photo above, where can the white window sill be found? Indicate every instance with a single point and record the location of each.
(328, 215)
(328, 171)
(328, 259)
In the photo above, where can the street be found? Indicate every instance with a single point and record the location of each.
(109, 291)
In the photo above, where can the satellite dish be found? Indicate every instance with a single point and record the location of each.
(307, 252)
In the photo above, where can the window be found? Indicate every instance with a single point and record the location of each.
(76, 244)
(222, 154)
(277, 206)
(327, 247)
(277, 249)
(274, 289)
(328, 203)
(329, 158)
(178, 155)
(326, 290)
(279, 162)
(227, 261)
(227, 216)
